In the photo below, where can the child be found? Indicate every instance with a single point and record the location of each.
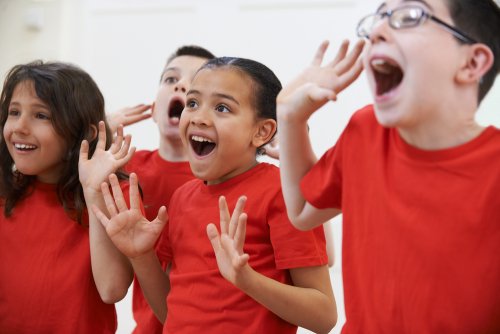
(46, 283)
(163, 170)
(415, 176)
(282, 280)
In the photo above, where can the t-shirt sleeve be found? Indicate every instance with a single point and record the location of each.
(322, 185)
(294, 248)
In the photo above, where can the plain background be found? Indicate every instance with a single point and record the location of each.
(123, 44)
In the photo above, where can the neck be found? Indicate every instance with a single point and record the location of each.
(454, 125)
(172, 150)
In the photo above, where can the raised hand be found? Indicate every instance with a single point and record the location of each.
(94, 171)
(228, 246)
(129, 230)
(272, 149)
(318, 84)
(127, 116)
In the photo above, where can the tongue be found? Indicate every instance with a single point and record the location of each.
(174, 120)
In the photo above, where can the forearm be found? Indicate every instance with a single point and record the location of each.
(302, 306)
(111, 269)
(296, 159)
(154, 282)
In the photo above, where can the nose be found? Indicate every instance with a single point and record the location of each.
(21, 125)
(381, 30)
(200, 117)
(181, 86)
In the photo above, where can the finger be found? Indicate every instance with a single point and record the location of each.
(350, 76)
(84, 151)
(139, 109)
(319, 96)
(238, 258)
(101, 142)
(241, 231)
(120, 202)
(162, 216)
(238, 210)
(135, 198)
(341, 53)
(350, 60)
(125, 146)
(136, 118)
(100, 216)
(320, 53)
(108, 200)
(117, 141)
(213, 236)
(224, 215)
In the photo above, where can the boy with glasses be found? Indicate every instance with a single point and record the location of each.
(416, 178)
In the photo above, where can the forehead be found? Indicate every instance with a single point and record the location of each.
(225, 80)
(25, 88)
(185, 63)
(435, 6)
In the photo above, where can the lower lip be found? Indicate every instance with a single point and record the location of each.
(387, 97)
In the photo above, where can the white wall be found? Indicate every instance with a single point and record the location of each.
(123, 44)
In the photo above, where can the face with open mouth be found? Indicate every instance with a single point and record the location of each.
(218, 126)
(31, 139)
(171, 96)
(409, 70)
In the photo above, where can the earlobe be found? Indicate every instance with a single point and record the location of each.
(265, 132)
(479, 61)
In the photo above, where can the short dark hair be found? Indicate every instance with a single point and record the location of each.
(188, 50)
(77, 106)
(480, 19)
(266, 84)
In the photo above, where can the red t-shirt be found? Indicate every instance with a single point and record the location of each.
(421, 230)
(158, 179)
(46, 283)
(201, 300)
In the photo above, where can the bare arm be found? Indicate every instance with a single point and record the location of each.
(111, 270)
(135, 237)
(308, 303)
(314, 87)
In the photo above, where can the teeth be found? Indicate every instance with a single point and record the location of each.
(25, 146)
(201, 139)
(382, 66)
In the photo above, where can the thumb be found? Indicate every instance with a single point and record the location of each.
(100, 216)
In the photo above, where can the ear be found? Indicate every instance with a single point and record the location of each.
(479, 60)
(92, 133)
(264, 132)
(153, 112)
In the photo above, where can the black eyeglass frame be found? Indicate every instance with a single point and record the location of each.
(424, 17)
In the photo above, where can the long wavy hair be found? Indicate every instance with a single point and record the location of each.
(76, 105)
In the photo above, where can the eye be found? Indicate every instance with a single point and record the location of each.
(191, 104)
(13, 112)
(171, 80)
(43, 116)
(222, 108)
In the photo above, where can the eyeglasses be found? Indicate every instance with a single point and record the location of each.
(407, 17)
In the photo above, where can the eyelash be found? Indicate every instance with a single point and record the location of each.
(171, 80)
(223, 106)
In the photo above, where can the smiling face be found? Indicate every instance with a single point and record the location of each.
(30, 137)
(219, 127)
(171, 96)
(412, 71)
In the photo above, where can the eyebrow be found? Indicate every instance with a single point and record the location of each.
(38, 105)
(219, 95)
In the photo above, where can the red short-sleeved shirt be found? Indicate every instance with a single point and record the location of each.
(158, 179)
(421, 230)
(201, 300)
(46, 283)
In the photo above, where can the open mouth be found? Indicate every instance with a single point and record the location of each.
(25, 147)
(388, 75)
(175, 108)
(202, 146)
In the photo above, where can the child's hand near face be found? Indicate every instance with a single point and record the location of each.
(127, 116)
(317, 84)
(96, 170)
(228, 246)
(129, 230)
